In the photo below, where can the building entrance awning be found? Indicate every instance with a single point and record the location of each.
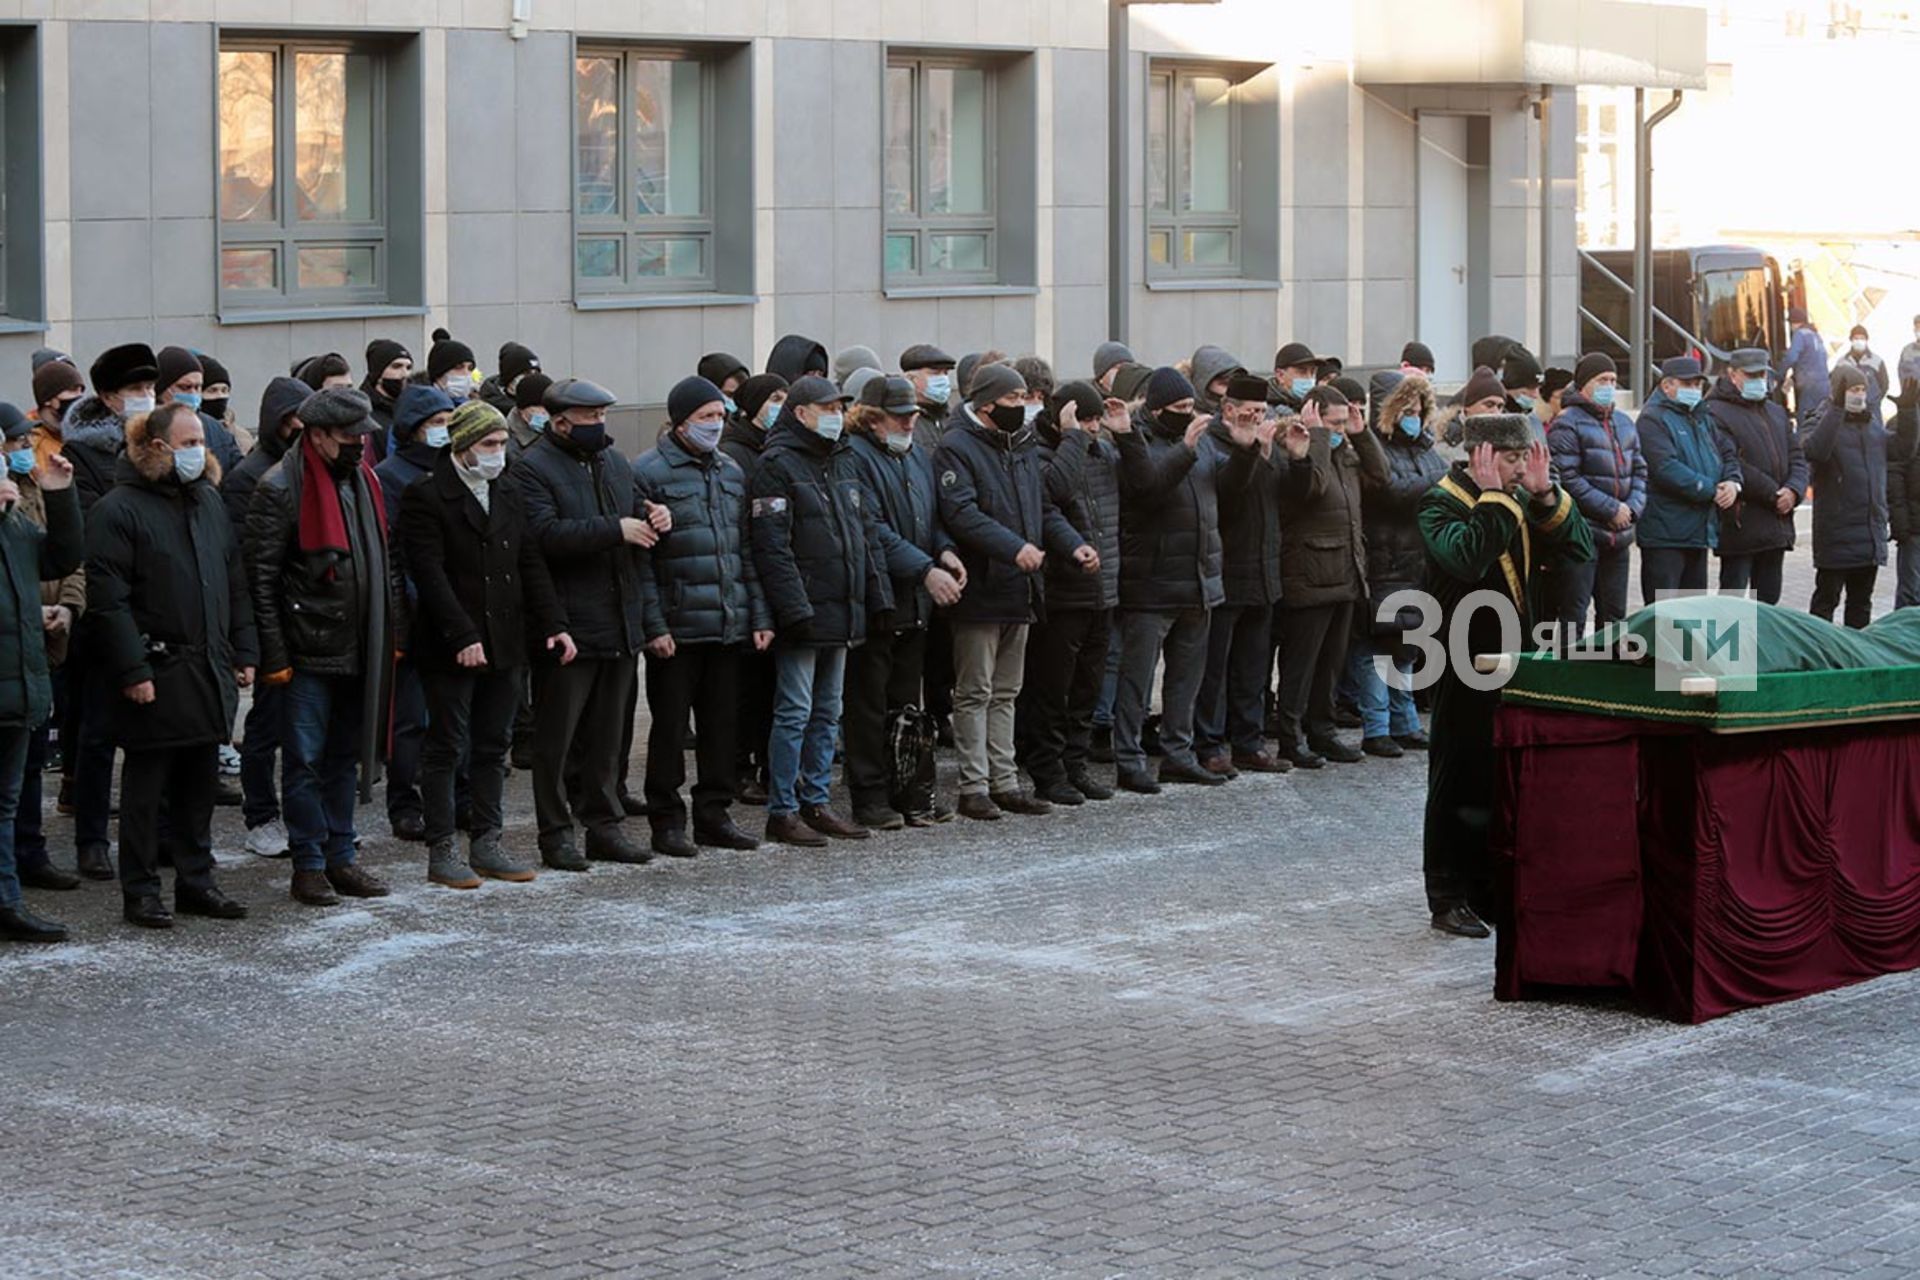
(1530, 42)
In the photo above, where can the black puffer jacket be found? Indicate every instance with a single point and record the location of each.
(167, 592)
(282, 396)
(92, 437)
(1849, 456)
(1770, 459)
(703, 588)
(901, 490)
(993, 502)
(816, 543)
(1250, 523)
(1390, 508)
(1903, 469)
(1170, 551)
(1083, 480)
(575, 501)
(744, 442)
(1323, 547)
(478, 575)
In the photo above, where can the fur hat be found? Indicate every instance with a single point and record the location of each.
(1501, 430)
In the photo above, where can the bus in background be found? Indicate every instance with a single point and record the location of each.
(1708, 300)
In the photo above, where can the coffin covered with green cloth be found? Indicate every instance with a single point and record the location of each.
(1803, 671)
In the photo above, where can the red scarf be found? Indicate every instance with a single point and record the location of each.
(323, 524)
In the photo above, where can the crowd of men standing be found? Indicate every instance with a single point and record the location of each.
(435, 577)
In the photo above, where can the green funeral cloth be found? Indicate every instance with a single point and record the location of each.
(1806, 671)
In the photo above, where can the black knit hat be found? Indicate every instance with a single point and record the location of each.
(1088, 402)
(12, 421)
(212, 371)
(1167, 385)
(1130, 380)
(120, 367)
(1417, 354)
(991, 381)
(1519, 370)
(752, 394)
(175, 363)
(382, 352)
(688, 396)
(515, 359)
(54, 377)
(1591, 366)
(531, 391)
(446, 355)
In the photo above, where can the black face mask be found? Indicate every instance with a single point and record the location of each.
(215, 409)
(392, 387)
(1175, 420)
(590, 437)
(347, 461)
(1008, 417)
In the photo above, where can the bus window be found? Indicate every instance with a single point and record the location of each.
(1733, 307)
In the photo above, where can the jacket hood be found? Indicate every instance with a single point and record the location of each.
(1409, 395)
(92, 424)
(415, 405)
(282, 396)
(1208, 363)
(793, 355)
(1448, 423)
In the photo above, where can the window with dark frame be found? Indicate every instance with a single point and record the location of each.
(302, 173)
(938, 173)
(1193, 172)
(643, 171)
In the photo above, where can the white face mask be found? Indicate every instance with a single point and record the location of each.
(132, 404)
(899, 444)
(1859, 345)
(1856, 402)
(490, 465)
(1032, 411)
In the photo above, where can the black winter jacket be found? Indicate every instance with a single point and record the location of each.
(816, 541)
(92, 437)
(282, 396)
(1083, 480)
(478, 575)
(1250, 523)
(993, 502)
(1323, 544)
(703, 588)
(30, 555)
(575, 501)
(1903, 471)
(912, 538)
(1390, 517)
(167, 592)
(744, 442)
(1849, 456)
(1170, 550)
(1770, 459)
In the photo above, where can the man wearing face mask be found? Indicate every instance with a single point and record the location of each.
(727, 372)
(450, 366)
(167, 590)
(1757, 531)
(1520, 377)
(593, 526)
(528, 420)
(1847, 447)
(95, 427)
(216, 405)
(1212, 367)
(1909, 365)
(422, 421)
(389, 367)
(1861, 356)
(325, 597)
(1296, 371)
(484, 596)
(515, 364)
(930, 370)
(995, 507)
(1597, 458)
(1805, 366)
(278, 427)
(816, 550)
(1693, 474)
(180, 381)
(704, 611)
(1107, 359)
(758, 402)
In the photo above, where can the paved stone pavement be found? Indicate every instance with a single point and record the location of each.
(1208, 1034)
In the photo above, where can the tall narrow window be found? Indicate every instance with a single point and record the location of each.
(1193, 172)
(938, 172)
(643, 166)
(302, 156)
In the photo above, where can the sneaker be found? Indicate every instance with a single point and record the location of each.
(268, 840)
(229, 760)
(446, 866)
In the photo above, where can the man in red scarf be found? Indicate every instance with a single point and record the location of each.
(324, 591)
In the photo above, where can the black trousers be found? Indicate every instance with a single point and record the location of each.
(180, 779)
(1460, 783)
(754, 717)
(1763, 571)
(1601, 582)
(1672, 569)
(1858, 585)
(1313, 653)
(580, 706)
(1232, 708)
(704, 680)
(883, 675)
(1066, 665)
(469, 721)
(939, 668)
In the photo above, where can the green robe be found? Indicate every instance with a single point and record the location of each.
(1498, 542)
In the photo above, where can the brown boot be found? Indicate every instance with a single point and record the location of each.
(979, 807)
(1020, 802)
(311, 887)
(787, 828)
(829, 823)
(349, 881)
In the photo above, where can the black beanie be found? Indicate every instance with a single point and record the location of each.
(515, 359)
(213, 372)
(1088, 401)
(445, 355)
(687, 397)
(382, 352)
(752, 394)
(1591, 366)
(531, 391)
(175, 363)
(1167, 386)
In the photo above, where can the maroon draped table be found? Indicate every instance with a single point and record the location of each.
(1703, 873)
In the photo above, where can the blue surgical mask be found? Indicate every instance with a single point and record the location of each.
(769, 415)
(537, 422)
(191, 399)
(1032, 411)
(727, 401)
(829, 425)
(705, 435)
(1524, 401)
(20, 461)
(1300, 387)
(1603, 395)
(436, 437)
(189, 463)
(1335, 439)
(1753, 389)
(1688, 396)
(1410, 424)
(939, 388)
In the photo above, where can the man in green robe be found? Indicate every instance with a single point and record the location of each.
(1491, 524)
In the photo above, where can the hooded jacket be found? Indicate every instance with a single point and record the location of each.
(30, 555)
(743, 441)
(1596, 453)
(1390, 501)
(412, 457)
(1770, 459)
(1871, 365)
(794, 355)
(816, 543)
(1687, 459)
(1171, 555)
(282, 396)
(91, 438)
(1208, 363)
(1848, 452)
(993, 501)
(167, 592)
(495, 393)
(901, 490)
(702, 588)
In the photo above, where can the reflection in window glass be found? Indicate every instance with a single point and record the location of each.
(1208, 248)
(598, 258)
(956, 133)
(1160, 247)
(666, 138)
(957, 253)
(670, 257)
(336, 267)
(900, 255)
(333, 136)
(249, 269)
(597, 130)
(1159, 167)
(1205, 128)
(246, 135)
(898, 163)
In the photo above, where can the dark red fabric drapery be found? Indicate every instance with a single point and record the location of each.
(1706, 873)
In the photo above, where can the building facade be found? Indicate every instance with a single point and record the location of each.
(624, 185)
